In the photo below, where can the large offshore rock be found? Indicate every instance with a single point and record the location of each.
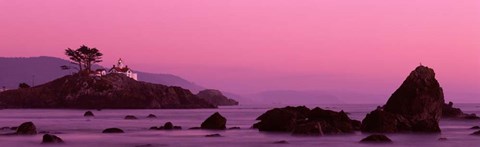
(415, 106)
(303, 121)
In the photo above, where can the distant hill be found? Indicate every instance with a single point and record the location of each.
(40, 70)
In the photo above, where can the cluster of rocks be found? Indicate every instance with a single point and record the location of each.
(28, 129)
(166, 126)
(303, 121)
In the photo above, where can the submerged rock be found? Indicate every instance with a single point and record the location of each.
(113, 130)
(131, 117)
(216, 97)
(376, 138)
(303, 121)
(415, 106)
(475, 127)
(215, 122)
(151, 116)
(477, 133)
(27, 128)
(442, 139)
(88, 114)
(281, 142)
(51, 139)
(234, 128)
(213, 135)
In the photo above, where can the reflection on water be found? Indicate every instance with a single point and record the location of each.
(76, 130)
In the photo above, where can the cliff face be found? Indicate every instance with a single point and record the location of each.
(415, 106)
(110, 91)
(216, 97)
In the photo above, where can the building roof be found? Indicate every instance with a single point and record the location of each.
(118, 69)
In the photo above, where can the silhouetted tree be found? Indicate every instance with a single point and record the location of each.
(23, 85)
(76, 58)
(90, 56)
(84, 57)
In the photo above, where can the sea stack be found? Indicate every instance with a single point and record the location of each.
(416, 106)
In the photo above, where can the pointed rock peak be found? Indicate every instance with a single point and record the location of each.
(423, 72)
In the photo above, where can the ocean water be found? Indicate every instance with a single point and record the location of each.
(78, 131)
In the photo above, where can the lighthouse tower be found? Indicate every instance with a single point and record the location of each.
(123, 69)
(120, 63)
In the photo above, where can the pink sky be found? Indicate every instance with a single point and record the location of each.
(246, 46)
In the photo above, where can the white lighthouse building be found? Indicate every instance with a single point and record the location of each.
(123, 69)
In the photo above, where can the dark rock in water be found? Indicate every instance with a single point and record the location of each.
(144, 145)
(442, 139)
(51, 139)
(448, 111)
(168, 126)
(216, 97)
(131, 117)
(154, 128)
(475, 127)
(27, 128)
(112, 91)
(113, 130)
(303, 121)
(416, 106)
(213, 135)
(215, 122)
(88, 114)
(376, 138)
(177, 127)
(281, 119)
(151, 116)
(234, 128)
(281, 142)
(13, 128)
(477, 133)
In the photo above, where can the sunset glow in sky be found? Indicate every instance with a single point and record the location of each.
(247, 46)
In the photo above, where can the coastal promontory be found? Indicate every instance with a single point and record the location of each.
(112, 91)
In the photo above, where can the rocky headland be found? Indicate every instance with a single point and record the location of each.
(113, 91)
(216, 97)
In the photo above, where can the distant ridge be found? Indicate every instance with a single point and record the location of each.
(39, 70)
